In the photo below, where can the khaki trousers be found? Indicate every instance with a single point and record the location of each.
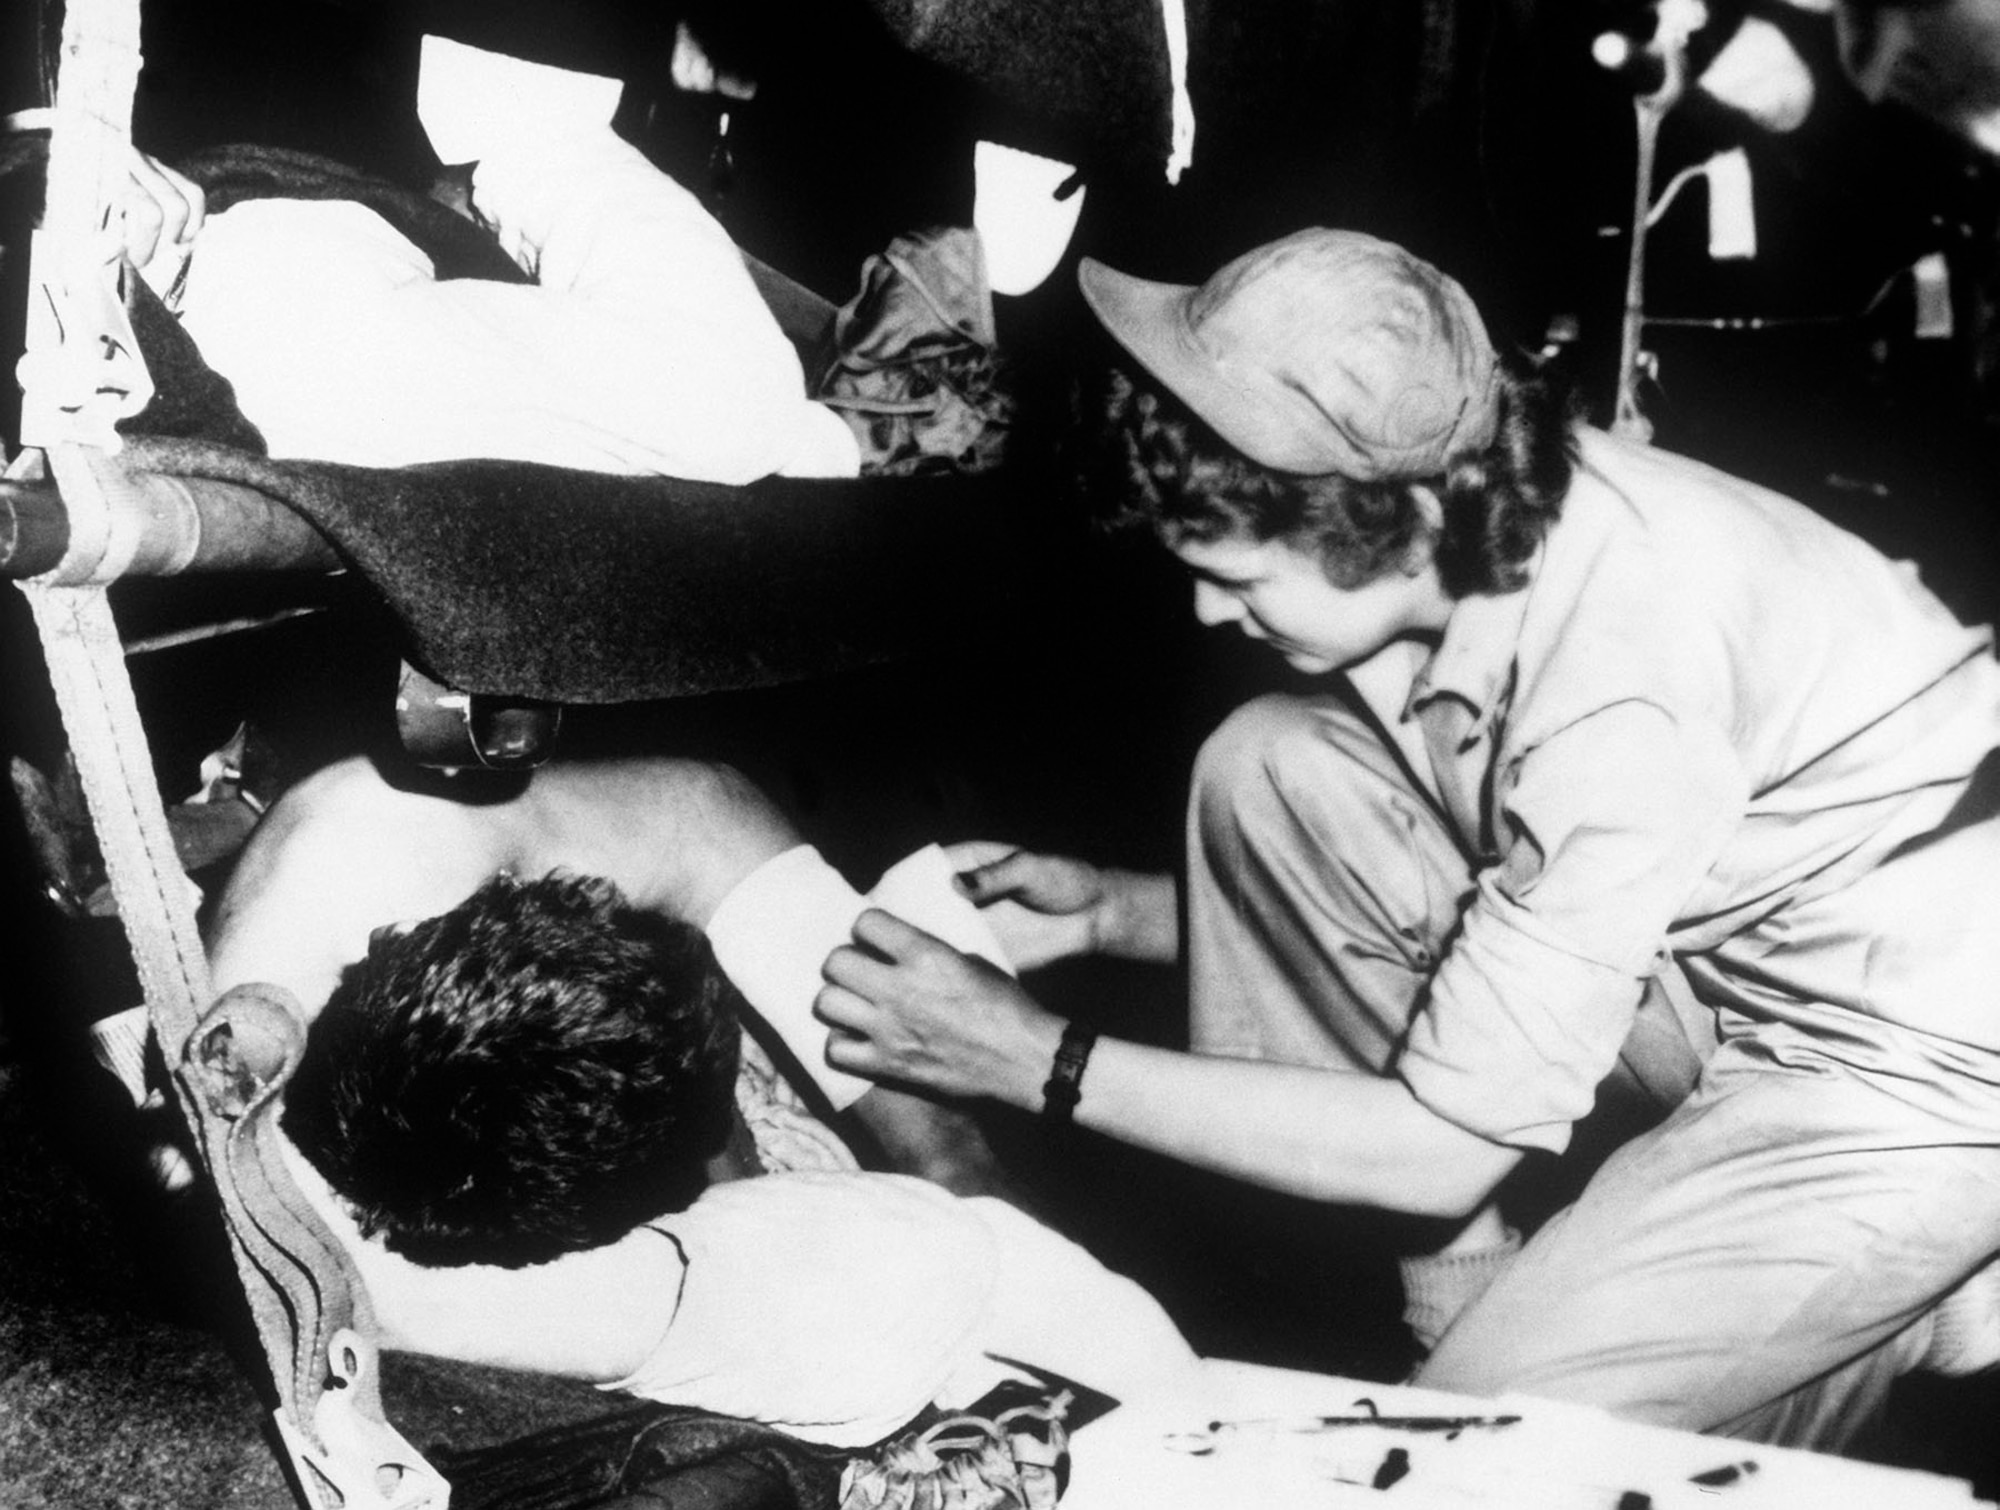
(1760, 1264)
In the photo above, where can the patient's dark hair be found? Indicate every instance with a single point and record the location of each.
(537, 1071)
(1186, 483)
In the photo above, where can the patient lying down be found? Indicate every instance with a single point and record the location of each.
(640, 347)
(528, 1113)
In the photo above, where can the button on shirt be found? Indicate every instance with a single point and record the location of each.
(1711, 725)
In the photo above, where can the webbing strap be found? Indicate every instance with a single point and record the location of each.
(86, 665)
(295, 1279)
(77, 383)
(81, 375)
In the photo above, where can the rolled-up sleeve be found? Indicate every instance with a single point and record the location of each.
(1607, 828)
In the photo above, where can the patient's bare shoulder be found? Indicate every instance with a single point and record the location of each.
(675, 835)
(340, 854)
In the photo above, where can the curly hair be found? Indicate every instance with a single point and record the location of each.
(536, 1071)
(1183, 481)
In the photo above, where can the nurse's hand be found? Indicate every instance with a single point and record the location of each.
(1042, 908)
(905, 1007)
(1045, 908)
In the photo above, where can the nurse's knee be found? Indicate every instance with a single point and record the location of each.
(1286, 754)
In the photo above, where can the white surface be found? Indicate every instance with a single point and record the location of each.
(1555, 1457)
(1023, 226)
(470, 100)
(642, 347)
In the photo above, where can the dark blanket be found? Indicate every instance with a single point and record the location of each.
(580, 587)
(509, 1441)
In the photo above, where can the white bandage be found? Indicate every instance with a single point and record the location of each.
(774, 930)
(920, 889)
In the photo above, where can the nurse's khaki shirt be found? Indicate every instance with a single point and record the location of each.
(1702, 731)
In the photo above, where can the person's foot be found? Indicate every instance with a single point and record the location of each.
(1965, 1328)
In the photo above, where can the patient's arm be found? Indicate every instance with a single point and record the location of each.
(771, 934)
(933, 1140)
(596, 1314)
